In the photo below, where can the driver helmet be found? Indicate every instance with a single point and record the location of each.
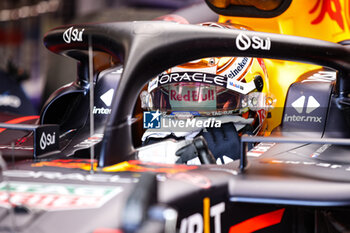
(212, 87)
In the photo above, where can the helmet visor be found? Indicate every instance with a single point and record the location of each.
(195, 97)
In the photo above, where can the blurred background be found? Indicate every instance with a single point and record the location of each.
(28, 69)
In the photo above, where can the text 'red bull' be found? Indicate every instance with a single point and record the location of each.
(192, 96)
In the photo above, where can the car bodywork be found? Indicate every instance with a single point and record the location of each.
(270, 191)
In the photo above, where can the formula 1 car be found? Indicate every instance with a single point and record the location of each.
(288, 183)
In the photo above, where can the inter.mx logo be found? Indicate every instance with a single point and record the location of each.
(107, 100)
(299, 106)
(151, 120)
(312, 104)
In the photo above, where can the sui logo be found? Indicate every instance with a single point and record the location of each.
(47, 140)
(151, 120)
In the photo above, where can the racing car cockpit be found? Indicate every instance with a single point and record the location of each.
(217, 98)
(212, 196)
(119, 128)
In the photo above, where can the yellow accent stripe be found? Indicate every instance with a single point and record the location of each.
(123, 166)
(206, 214)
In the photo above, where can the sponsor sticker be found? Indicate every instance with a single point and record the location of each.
(53, 197)
(97, 177)
(322, 76)
(308, 163)
(90, 141)
(200, 222)
(187, 97)
(206, 78)
(238, 68)
(228, 80)
(153, 84)
(240, 87)
(47, 140)
(103, 111)
(107, 97)
(299, 106)
(72, 34)
(260, 149)
(107, 100)
(244, 42)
